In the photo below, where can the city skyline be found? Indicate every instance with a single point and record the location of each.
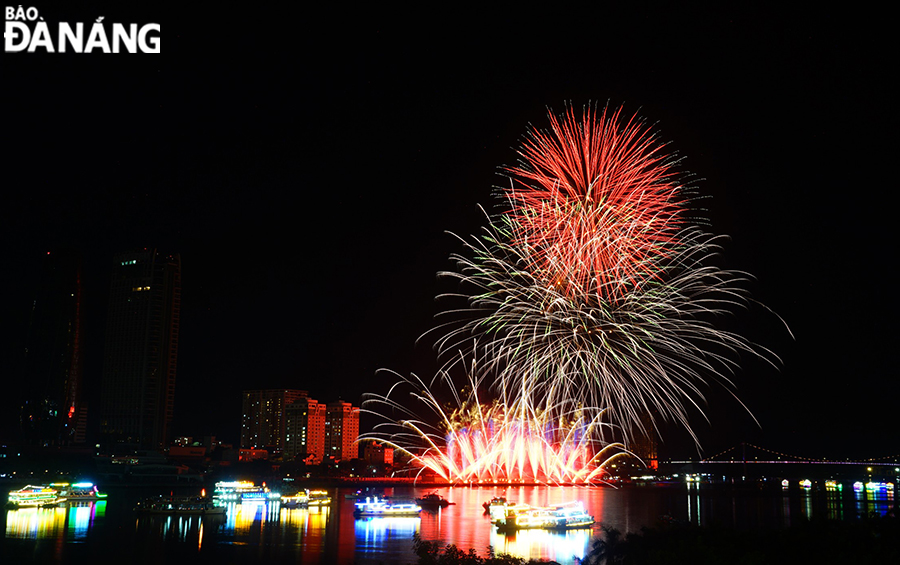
(308, 191)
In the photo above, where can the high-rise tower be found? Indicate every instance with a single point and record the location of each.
(51, 411)
(341, 430)
(263, 424)
(137, 395)
(305, 430)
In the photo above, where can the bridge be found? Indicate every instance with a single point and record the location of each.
(756, 460)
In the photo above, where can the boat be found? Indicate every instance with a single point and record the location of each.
(244, 491)
(180, 505)
(499, 507)
(568, 516)
(381, 508)
(77, 492)
(35, 496)
(433, 500)
(318, 497)
(496, 502)
(305, 499)
(299, 500)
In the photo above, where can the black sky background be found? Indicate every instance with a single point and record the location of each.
(307, 165)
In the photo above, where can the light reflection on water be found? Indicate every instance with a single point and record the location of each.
(542, 544)
(34, 523)
(267, 532)
(72, 522)
(374, 533)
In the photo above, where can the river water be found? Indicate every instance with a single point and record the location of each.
(267, 533)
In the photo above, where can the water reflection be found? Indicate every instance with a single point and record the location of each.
(80, 518)
(305, 520)
(240, 518)
(192, 530)
(72, 522)
(374, 532)
(693, 502)
(299, 530)
(331, 534)
(873, 498)
(467, 525)
(834, 500)
(542, 544)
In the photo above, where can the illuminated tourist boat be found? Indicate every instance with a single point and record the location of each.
(876, 486)
(33, 496)
(496, 502)
(244, 491)
(299, 500)
(305, 499)
(180, 505)
(376, 507)
(498, 508)
(568, 516)
(83, 491)
(318, 498)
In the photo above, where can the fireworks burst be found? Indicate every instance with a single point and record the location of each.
(590, 297)
(476, 442)
(643, 356)
(595, 204)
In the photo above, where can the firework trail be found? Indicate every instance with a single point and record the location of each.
(595, 204)
(645, 355)
(592, 289)
(474, 441)
(590, 298)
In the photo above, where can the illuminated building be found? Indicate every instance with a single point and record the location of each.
(137, 396)
(378, 453)
(305, 430)
(644, 444)
(263, 422)
(341, 430)
(51, 408)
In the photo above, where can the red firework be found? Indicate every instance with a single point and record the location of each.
(488, 444)
(596, 204)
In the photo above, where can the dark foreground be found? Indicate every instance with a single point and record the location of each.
(821, 542)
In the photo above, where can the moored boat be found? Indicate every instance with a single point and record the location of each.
(433, 500)
(305, 499)
(35, 496)
(319, 497)
(244, 491)
(299, 500)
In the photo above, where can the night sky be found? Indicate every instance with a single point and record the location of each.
(308, 166)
